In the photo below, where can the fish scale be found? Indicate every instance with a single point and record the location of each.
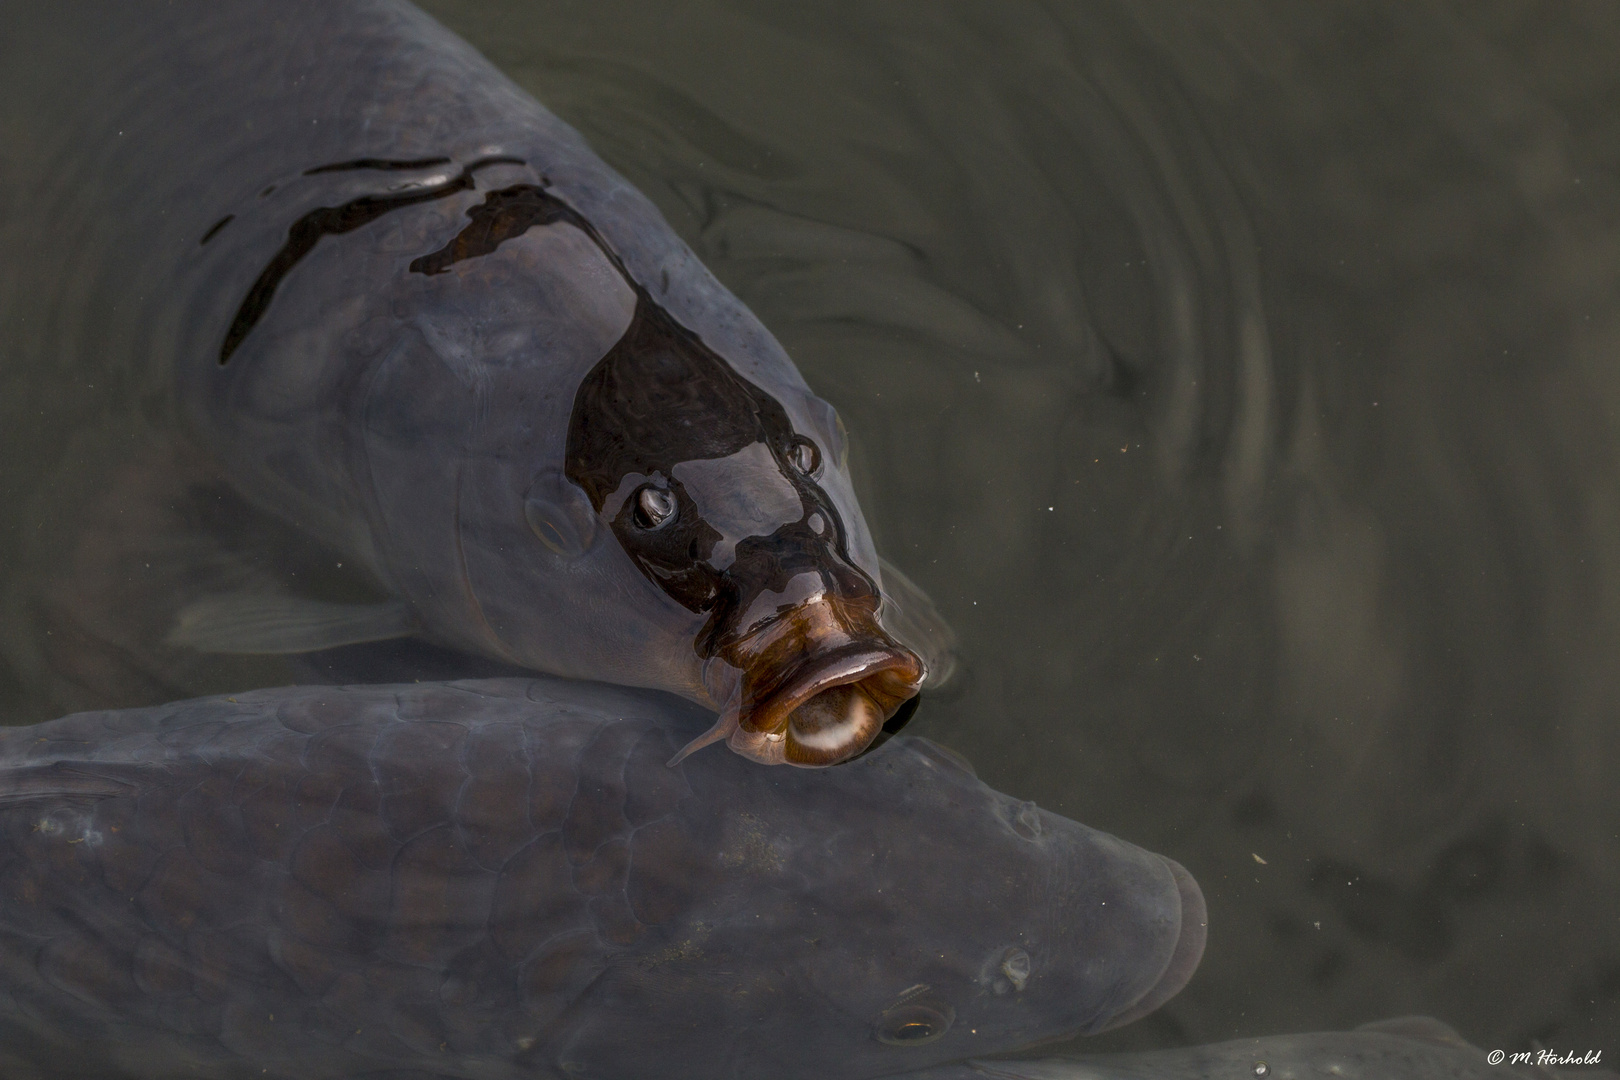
(390, 859)
(503, 878)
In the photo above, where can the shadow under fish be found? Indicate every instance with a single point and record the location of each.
(408, 313)
(504, 879)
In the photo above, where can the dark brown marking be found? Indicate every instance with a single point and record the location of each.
(377, 163)
(305, 233)
(308, 230)
(505, 215)
(660, 397)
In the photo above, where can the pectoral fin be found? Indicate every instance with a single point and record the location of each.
(267, 624)
(910, 616)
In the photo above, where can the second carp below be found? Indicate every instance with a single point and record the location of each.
(501, 880)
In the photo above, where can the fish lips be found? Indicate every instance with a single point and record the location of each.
(817, 684)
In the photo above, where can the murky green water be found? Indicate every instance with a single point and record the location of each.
(1241, 379)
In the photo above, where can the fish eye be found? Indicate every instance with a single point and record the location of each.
(805, 456)
(654, 506)
(914, 1023)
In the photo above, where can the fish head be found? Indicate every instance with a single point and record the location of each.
(464, 416)
(736, 505)
(626, 504)
(886, 916)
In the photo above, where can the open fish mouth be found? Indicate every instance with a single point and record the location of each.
(812, 687)
(829, 710)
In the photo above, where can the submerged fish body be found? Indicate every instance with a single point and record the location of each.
(504, 879)
(408, 311)
(1405, 1048)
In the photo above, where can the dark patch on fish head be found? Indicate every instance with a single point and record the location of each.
(716, 497)
(880, 918)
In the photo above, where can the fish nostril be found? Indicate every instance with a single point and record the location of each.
(1026, 821)
(915, 1023)
(561, 514)
(1015, 966)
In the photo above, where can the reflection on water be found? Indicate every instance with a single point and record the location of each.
(1238, 378)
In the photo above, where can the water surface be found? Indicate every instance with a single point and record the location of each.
(1241, 380)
